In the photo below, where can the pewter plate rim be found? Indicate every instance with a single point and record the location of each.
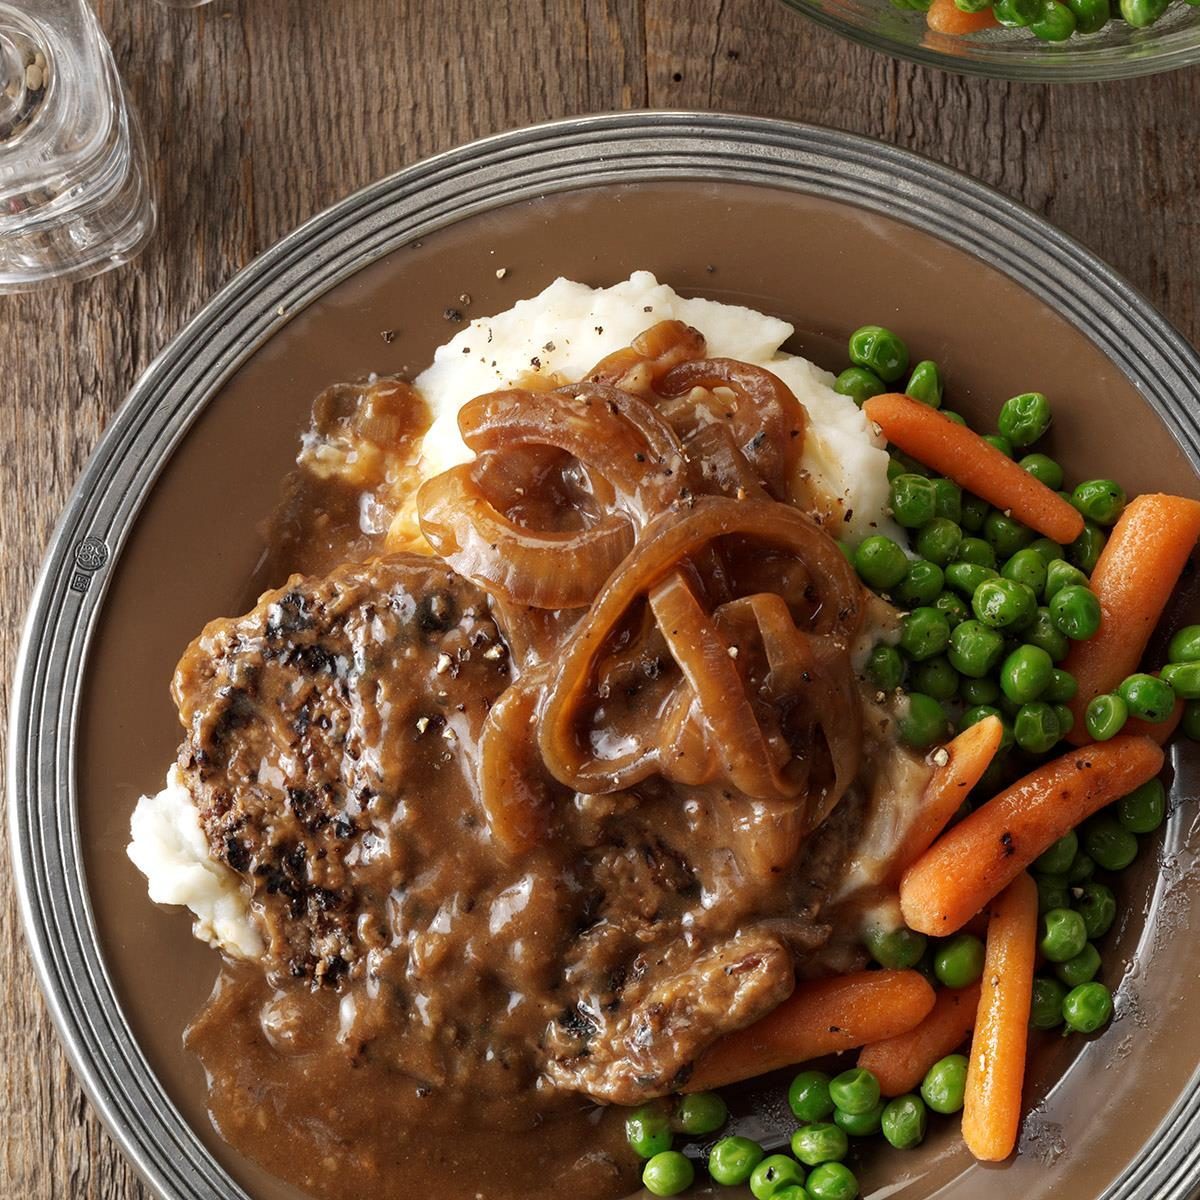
(483, 175)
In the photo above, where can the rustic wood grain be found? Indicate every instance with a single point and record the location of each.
(258, 113)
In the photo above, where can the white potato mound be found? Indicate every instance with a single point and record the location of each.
(569, 327)
(564, 331)
(168, 846)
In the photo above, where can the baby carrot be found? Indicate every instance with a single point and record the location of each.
(820, 1017)
(1134, 577)
(996, 1068)
(968, 756)
(986, 851)
(945, 16)
(972, 463)
(901, 1062)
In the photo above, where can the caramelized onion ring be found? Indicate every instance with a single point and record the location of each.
(616, 435)
(639, 367)
(768, 421)
(665, 543)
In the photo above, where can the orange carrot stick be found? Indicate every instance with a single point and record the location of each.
(900, 1063)
(945, 16)
(965, 457)
(996, 1068)
(984, 853)
(968, 756)
(820, 1017)
(1134, 577)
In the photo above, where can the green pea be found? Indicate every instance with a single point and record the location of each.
(938, 540)
(1183, 679)
(860, 384)
(832, 1181)
(859, 1124)
(733, 1159)
(1058, 858)
(1025, 674)
(1185, 645)
(975, 550)
(1004, 604)
(1097, 905)
(958, 963)
(975, 649)
(1147, 697)
(1046, 1011)
(1065, 718)
(965, 577)
(958, 418)
(1026, 567)
(880, 562)
(1099, 500)
(896, 949)
(794, 1191)
(648, 1130)
(1041, 632)
(1062, 688)
(1108, 842)
(1060, 574)
(1190, 725)
(1008, 707)
(1075, 611)
(924, 723)
(1005, 535)
(1055, 23)
(1141, 14)
(1082, 869)
(974, 513)
(909, 463)
(668, 1173)
(701, 1113)
(885, 667)
(1036, 728)
(879, 350)
(854, 1091)
(1143, 809)
(1052, 892)
(1087, 1007)
(820, 1143)
(972, 5)
(1080, 969)
(979, 691)
(1047, 550)
(904, 1121)
(913, 500)
(925, 384)
(1024, 418)
(1063, 935)
(1016, 14)
(924, 632)
(1090, 17)
(953, 608)
(945, 1084)
(922, 584)
(979, 712)
(1044, 469)
(1085, 549)
(949, 499)
(999, 442)
(935, 677)
(895, 467)
(773, 1174)
(808, 1096)
(1105, 716)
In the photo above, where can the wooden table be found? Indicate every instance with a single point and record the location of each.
(258, 113)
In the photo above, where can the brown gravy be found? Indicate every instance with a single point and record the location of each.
(432, 1015)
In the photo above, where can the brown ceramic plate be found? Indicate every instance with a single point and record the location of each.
(824, 229)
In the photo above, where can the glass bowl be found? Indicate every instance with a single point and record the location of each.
(1118, 51)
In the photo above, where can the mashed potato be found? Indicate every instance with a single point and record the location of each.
(563, 331)
(568, 328)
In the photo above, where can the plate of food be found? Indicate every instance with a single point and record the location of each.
(653, 651)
